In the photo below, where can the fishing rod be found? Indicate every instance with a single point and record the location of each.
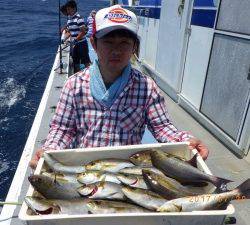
(43, 62)
(59, 26)
(59, 38)
(60, 41)
(2, 203)
(48, 58)
(10, 203)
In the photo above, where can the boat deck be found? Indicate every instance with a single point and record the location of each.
(221, 161)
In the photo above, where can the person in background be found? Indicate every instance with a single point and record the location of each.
(90, 22)
(111, 103)
(64, 31)
(77, 29)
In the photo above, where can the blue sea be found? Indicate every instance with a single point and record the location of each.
(29, 40)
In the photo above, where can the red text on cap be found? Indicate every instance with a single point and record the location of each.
(118, 15)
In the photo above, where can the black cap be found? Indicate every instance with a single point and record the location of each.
(71, 4)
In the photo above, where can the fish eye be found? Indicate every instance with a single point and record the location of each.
(136, 156)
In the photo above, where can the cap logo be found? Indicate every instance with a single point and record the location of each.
(118, 15)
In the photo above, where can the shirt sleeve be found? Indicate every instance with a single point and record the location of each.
(158, 121)
(62, 126)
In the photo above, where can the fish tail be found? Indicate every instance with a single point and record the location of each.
(221, 183)
(244, 189)
(193, 161)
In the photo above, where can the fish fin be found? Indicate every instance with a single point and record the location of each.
(178, 207)
(221, 183)
(103, 179)
(219, 190)
(102, 182)
(193, 161)
(55, 179)
(244, 189)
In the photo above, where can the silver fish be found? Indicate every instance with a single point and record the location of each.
(90, 177)
(52, 189)
(137, 170)
(144, 198)
(102, 190)
(104, 206)
(206, 202)
(59, 167)
(167, 187)
(182, 171)
(132, 180)
(108, 165)
(69, 179)
(143, 158)
(55, 206)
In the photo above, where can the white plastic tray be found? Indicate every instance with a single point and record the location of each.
(82, 156)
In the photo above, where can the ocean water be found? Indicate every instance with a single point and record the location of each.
(29, 39)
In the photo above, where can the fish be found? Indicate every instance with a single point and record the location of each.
(51, 188)
(145, 198)
(206, 202)
(132, 180)
(109, 165)
(69, 179)
(104, 206)
(41, 206)
(59, 167)
(167, 187)
(183, 172)
(102, 190)
(137, 170)
(90, 177)
(143, 158)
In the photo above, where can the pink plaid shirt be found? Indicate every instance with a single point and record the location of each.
(81, 121)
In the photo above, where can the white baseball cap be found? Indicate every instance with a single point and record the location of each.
(114, 18)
